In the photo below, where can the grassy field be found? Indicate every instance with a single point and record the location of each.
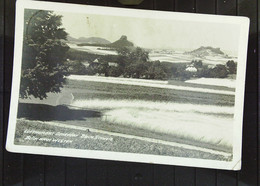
(193, 118)
(92, 90)
(34, 133)
(202, 118)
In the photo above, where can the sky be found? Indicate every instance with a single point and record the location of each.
(151, 33)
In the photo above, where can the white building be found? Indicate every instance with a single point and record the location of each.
(112, 64)
(191, 68)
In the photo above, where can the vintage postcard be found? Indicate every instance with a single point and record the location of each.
(128, 85)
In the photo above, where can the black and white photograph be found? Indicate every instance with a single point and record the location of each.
(128, 85)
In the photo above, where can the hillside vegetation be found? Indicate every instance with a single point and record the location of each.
(134, 62)
(122, 42)
(206, 51)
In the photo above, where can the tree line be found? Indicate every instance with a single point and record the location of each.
(134, 63)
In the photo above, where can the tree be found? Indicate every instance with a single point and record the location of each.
(103, 68)
(132, 55)
(139, 55)
(155, 71)
(132, 61)
(114, 71)
(219, 71)
(43, 68)
(232, 67)
(197, 63)
(76, 67)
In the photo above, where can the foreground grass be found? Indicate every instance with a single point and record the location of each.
(100, 119)
(82, 90)
(35, 133)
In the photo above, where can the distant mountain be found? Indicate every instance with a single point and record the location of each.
(206, 51)
(122, 42)
(94, 40)
(90, 40)
(71, 39)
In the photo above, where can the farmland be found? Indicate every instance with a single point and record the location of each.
(186, 117)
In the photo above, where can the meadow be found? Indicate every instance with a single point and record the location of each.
(203, 118)
(104, 90)
(199, 119)
(38, 133)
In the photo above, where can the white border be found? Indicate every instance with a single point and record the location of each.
(235, 164)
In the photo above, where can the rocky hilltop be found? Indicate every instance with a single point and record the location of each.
(122, 42)
(206, 51)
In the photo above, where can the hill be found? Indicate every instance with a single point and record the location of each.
(71, 39)
(122, 42)
(94, 40)
(206, 51)
(90, 40)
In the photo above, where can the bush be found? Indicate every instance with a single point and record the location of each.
(73, 54)
(76, 67)
(232, 67)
